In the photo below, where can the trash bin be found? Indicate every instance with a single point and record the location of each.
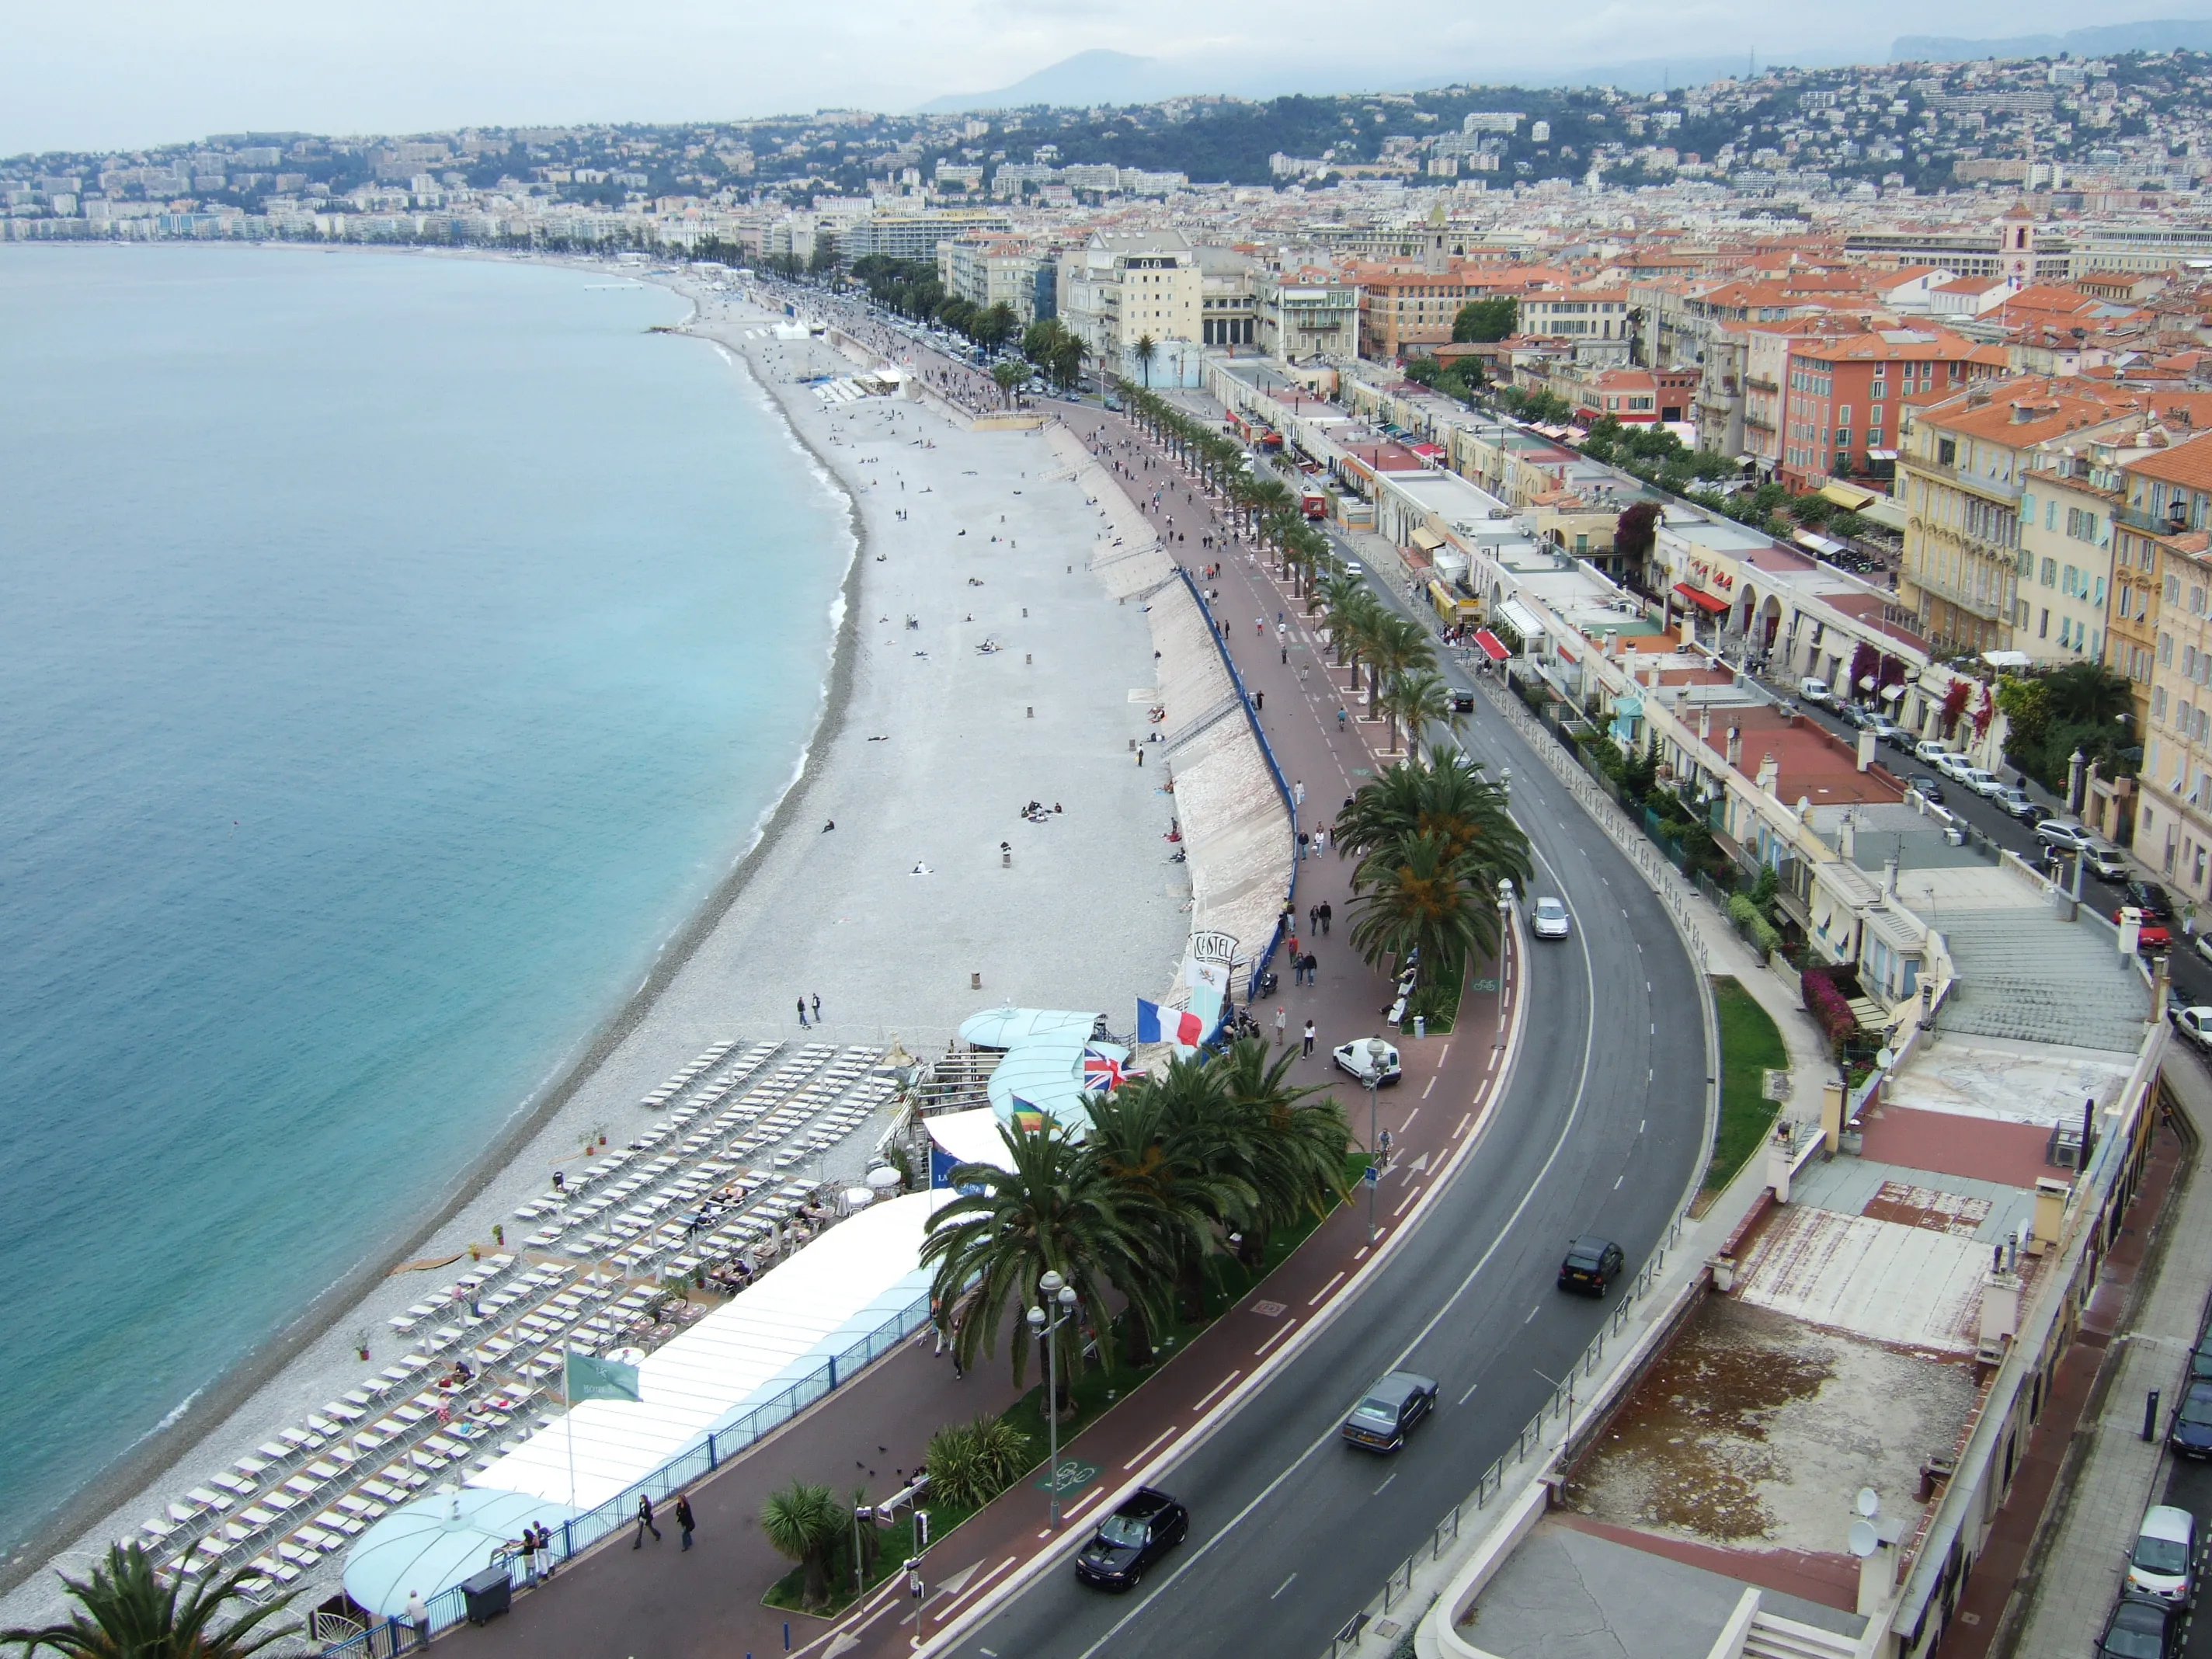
(1421, 1025)
(488, 1594)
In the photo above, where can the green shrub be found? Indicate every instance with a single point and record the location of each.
(1752, 924)
(971, 1463)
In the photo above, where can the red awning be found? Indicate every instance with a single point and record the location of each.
(1704, 602)
(1492, 647)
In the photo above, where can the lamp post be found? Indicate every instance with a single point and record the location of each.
(1059, 1291)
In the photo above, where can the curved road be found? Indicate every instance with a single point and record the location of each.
(1599, 1128)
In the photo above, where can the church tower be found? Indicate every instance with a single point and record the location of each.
(2016, 245)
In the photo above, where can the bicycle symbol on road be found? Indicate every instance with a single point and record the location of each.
(1070, 1474)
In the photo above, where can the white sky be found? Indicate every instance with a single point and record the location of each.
(99, 74)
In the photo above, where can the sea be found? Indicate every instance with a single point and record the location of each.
(394, 651)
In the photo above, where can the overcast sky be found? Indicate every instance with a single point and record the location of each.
(100, 74)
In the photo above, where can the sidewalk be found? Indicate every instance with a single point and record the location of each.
(2045, 1583)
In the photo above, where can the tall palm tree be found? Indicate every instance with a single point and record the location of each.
(1146, 349)
(1055, 1211)
(1338, 591)
(1395, 645)
(125, 1612)
(1449, 798)
(1270, 497)
(1417, 897)
(1418, 697)
(802, 1524)
(1294, 1146)
(1008, 375)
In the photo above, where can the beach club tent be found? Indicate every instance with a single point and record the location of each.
(1041, 1076)
(436, 1542)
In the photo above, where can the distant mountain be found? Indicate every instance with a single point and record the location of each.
(2161, 34)
(1087, 78)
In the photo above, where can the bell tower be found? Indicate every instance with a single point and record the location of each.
(2016, 246)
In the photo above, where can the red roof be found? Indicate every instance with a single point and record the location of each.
(1704, 602)
(1492, 647)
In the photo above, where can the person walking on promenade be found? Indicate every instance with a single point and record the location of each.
(1306, 1053)
(1259, 703)
(418, 1614)
(1298, 793)
(644, 1523)
(1328, 914)
(684, 1521)
(817, 1009)
(1341, 717)
(1282, 1020)
(802, 1012)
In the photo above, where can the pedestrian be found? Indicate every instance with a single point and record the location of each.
(418, 1614)
(1313, 918)
(1304, 841)
(1259, 625)
(684, 1521)
(1299, 793)
(545, 1557)
(527, 1548)
(1327, 914)
(1307, 1052)
(817, 1010)
(1282, 1020)
(644, 1521)
(802, 1012)
(1339, 717)
(1259, 702)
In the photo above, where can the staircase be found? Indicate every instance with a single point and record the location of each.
(1773, 1637)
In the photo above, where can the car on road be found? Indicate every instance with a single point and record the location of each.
(2163, 1564)
(1352, 1057)
(2150, 935)
(2139, 1629)
(1954, 766)
(1928, 789)
(1463, 702)
(1353, 567)
(1986, 784)
(2012, 800)
(2190, 1433)
(1548, 919)
(2195, 1024)
(1592, 1263)
(2104, 860)
(1389, 1408)
(1885, 729)
(2067, 835)
(1815, 690)
(1931, 750)
(2150, 898)
(1127, 1543)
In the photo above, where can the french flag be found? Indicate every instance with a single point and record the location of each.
(1159, 1025)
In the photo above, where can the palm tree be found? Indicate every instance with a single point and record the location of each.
(1417, 897)
(1295, 1149)
(1338, 590)
(1055, 1211)
(1269, 497)
(1008, 376)
(1418, 697)
(1146, 349)
(125, 1612)
(802, 1522)
(1395, 645)
(1449, 798)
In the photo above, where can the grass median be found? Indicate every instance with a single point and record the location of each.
(1751, 1045)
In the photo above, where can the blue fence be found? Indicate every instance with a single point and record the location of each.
(696, 1461)
(1268, 752)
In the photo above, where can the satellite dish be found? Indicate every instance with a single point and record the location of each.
(1884, 1058)
(1861, 1538)
(1867, 1504)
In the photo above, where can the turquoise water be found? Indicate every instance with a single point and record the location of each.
(392, 651)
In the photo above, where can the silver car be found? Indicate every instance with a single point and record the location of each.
(1548, 919)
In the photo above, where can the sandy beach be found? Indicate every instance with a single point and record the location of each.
(928, 749)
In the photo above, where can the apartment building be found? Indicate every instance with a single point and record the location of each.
(1227, 316)
(1960, 478)
(1842, 399)
(1306, 314)
(2168, 506)
(2066, 523)
(988, 271)
(1124, 286)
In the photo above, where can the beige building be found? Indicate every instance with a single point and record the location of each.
(2066, 510)
(1125, 286)
(1306, 314)
(2169, 496)
(991, 271)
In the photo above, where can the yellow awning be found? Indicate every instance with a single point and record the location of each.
(1426, 539)
(1849, 497)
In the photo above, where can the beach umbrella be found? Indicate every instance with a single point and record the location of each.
(858, 1198)
(434, 1544)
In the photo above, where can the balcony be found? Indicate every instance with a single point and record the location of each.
(1759, 383)
(2152, 524)
(1997, 489)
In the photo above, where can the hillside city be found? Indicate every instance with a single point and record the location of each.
(1814, 469)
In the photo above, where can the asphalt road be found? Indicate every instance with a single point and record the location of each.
(1598, 1130)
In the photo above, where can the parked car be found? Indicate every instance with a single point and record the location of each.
(2103, 859)
(1898, 738)
(2139, 1629)
(2163, 1564)
(1814, 690)
(2204, 946)
(2195, 1024)
(1352, 1057)
(2012, 800)
(1548, 919)
(2191, 1434)
(2067, 835)
(1389, 1408)
(1931, 750)
(1928, 789)
(2150, 935)
(1982, 782)
(2149, 897)
(2200, 1358)
(1591, 1264)
(1147, 1525)
(1884, 729)
(1954, 766)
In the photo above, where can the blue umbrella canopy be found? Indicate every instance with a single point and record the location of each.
(435, 1542)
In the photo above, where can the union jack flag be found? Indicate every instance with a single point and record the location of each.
(1101, 1074)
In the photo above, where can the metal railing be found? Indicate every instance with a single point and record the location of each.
(449, 1607)
(1398, 1586)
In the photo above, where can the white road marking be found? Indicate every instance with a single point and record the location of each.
(1532, 1312)
(1617, 1180)
(1282, 1331)
(1412, 1193)
(1280, 1588)
(1208, 1399)
(1315, 1300)
(1167, 1435)
(1410, 1116)
(1469, 1394)
(1387, 1479)
(1463, 1122)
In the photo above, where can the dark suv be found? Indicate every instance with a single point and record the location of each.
(1592, 1264)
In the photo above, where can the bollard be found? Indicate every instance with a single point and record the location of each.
(2150, 1415)
(1028, 661)
(1032, 711)
(975, 981)
(1006, 860)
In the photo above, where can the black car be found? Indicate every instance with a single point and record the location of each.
(1930, 789)
(2191, 1433)
(2200, 1361)
(1463, 702)
(2140, 1629)
(1386, 1413)
(1147, 1526)
(1592, 1264)
(2149, 897)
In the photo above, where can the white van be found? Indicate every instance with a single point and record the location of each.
(1812, 691)
(2163, 1564)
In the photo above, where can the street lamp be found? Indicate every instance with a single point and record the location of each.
(1058, 1291)
(1371, 1075)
